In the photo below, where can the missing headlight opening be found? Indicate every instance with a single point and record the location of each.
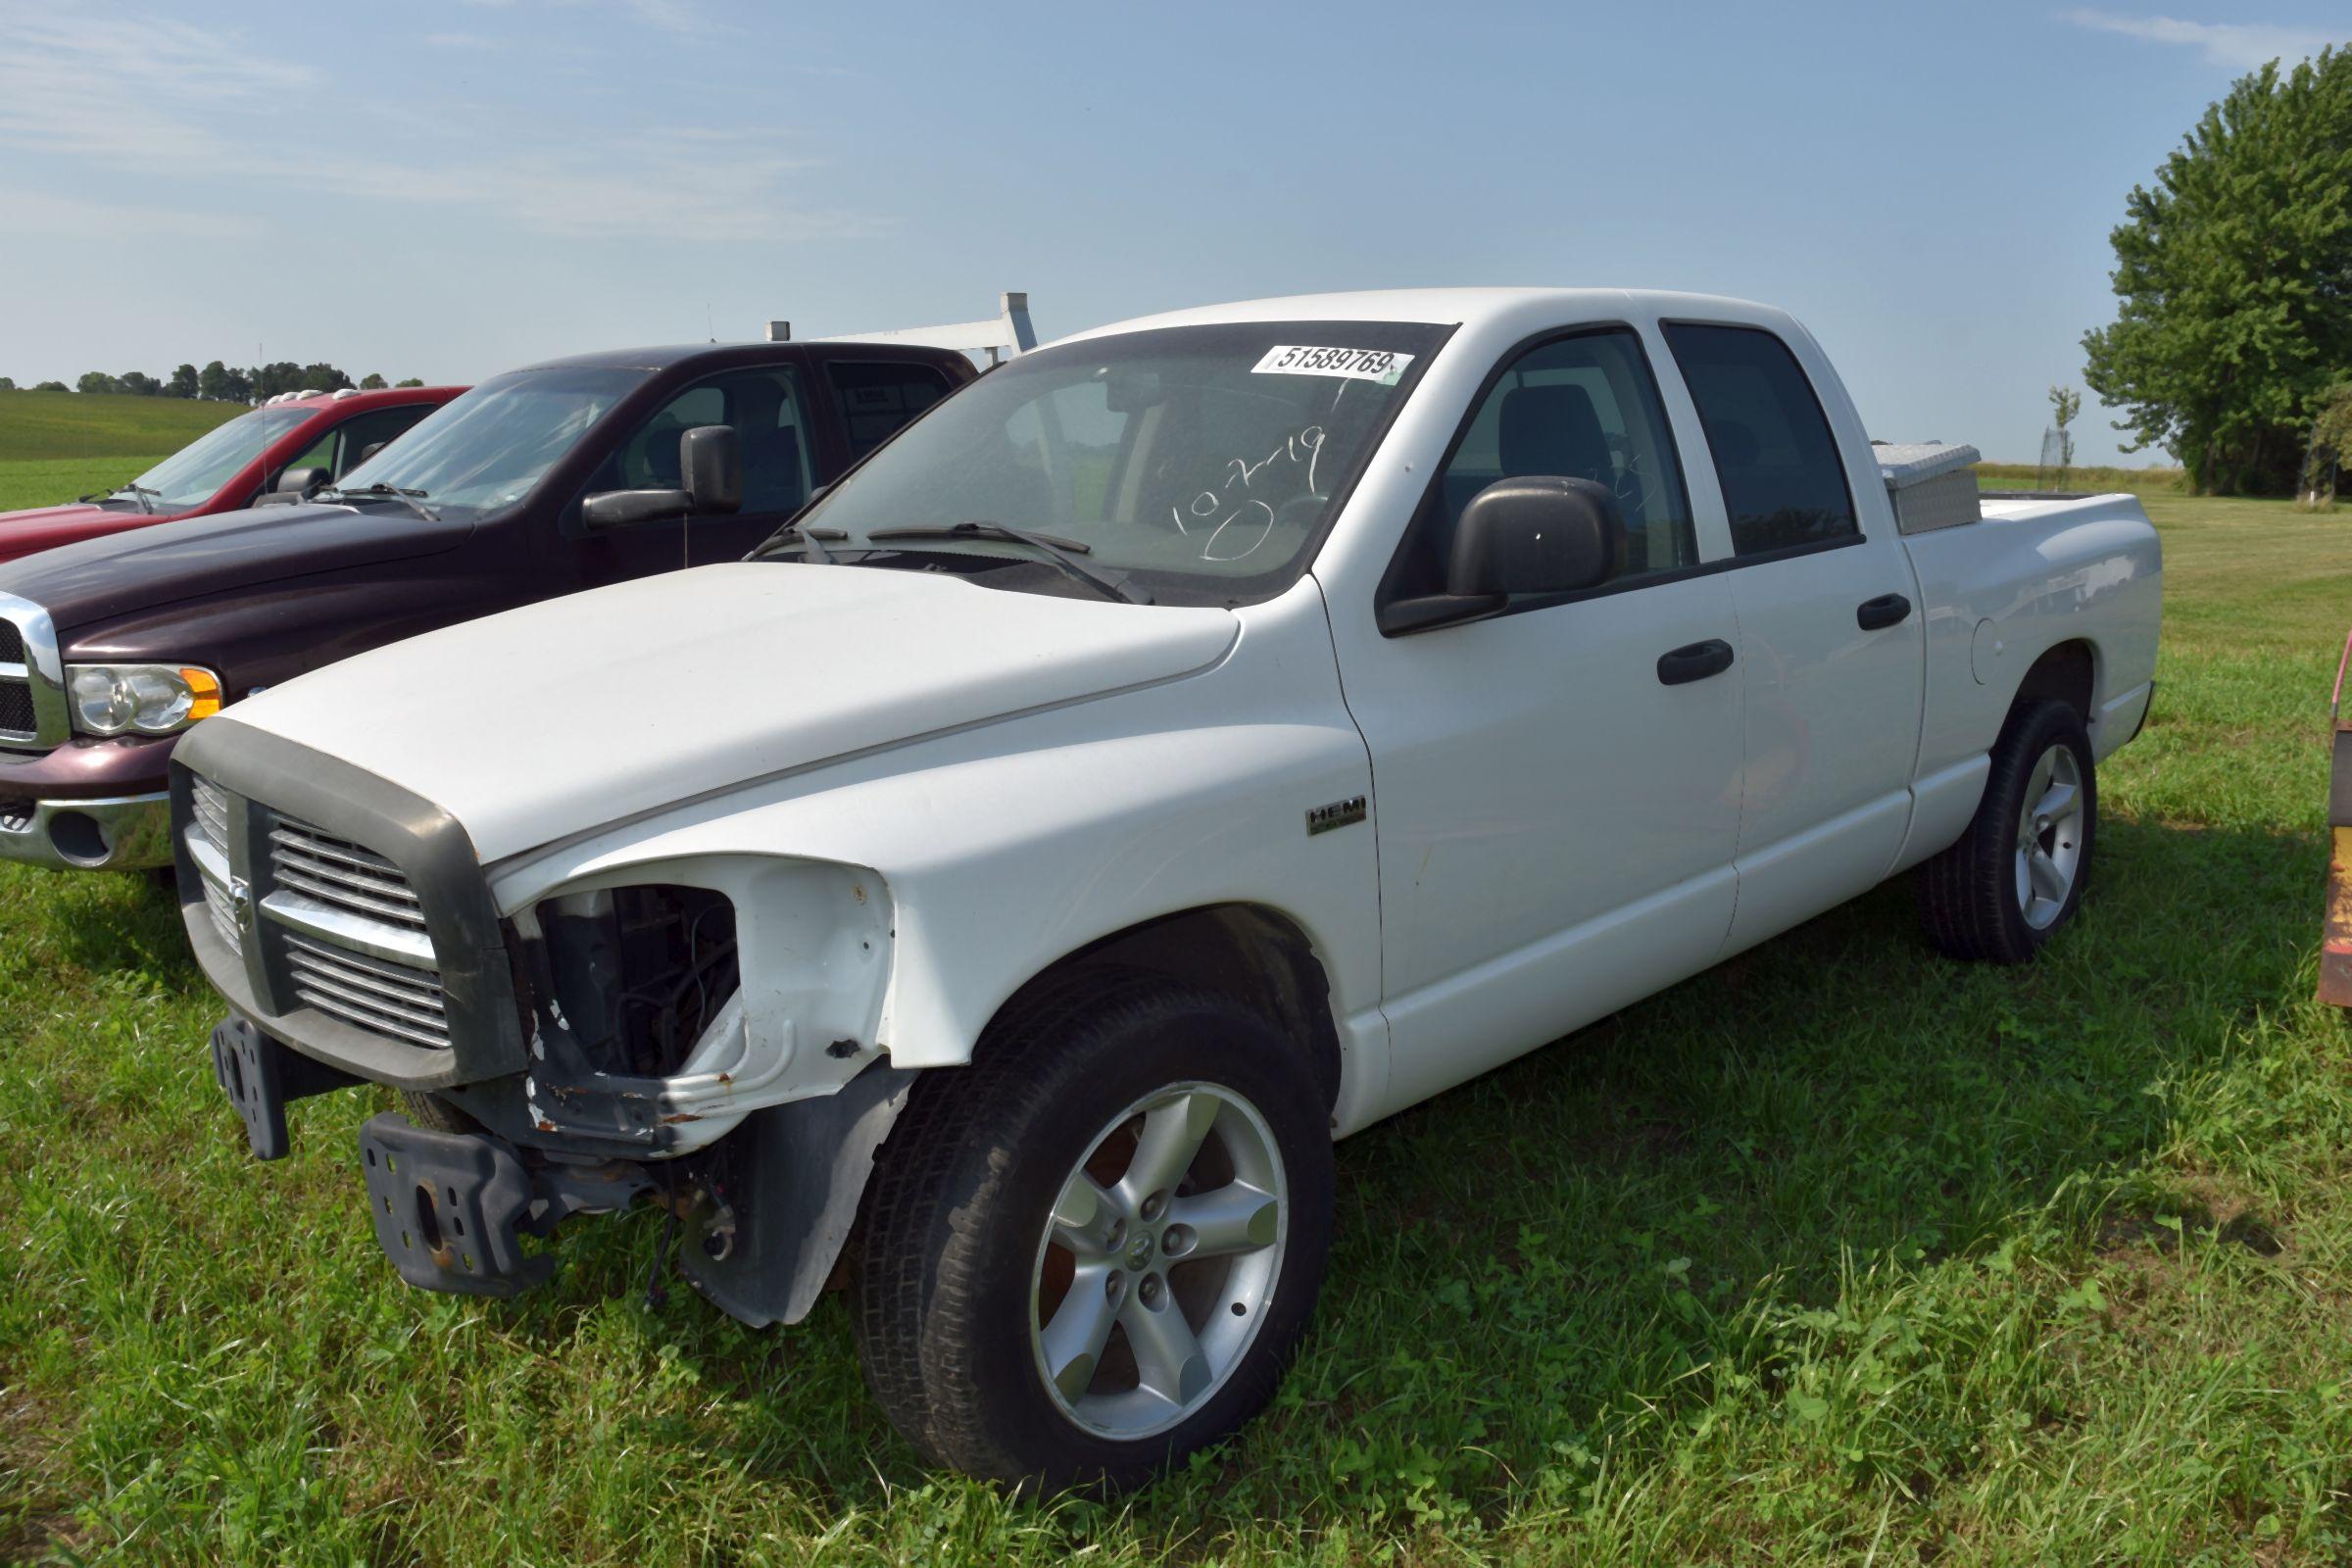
(637, 974)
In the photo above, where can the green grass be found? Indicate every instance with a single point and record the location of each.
(2137, 481)
(1837, 1253)
(75, 425)
(47, 481)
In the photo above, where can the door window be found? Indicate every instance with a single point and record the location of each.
(1581, 408)
(876, 399)
(768, 414)
(378, 428)
(1783, 482)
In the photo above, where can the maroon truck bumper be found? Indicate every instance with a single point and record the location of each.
(90, 805)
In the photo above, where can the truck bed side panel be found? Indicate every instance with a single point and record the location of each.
(2002, 593)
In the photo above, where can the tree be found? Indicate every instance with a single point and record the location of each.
(2234, 277)
(269, 380)
(323, 377)
(236, 386)
(138, 384)
(2331, 447)
(96, 381)
(212, 382)
(2067, 403)
(373, 382)
(7, 383)
(50, 386)
(414, 380)
(182, 384)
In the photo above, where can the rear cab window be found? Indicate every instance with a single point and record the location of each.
(876, 397)
(1783, 484)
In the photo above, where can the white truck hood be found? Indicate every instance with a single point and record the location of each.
(564, 715)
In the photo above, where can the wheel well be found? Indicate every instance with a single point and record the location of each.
(2066, 674)
(1258, 957)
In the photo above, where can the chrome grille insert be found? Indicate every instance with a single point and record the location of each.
(373, 993)
(224, 919)
(212, 813)
(338, 872)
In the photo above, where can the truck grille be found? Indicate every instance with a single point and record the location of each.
(375, 994)
(364, 990)
(336, 921)
(30, 716)
(342, 873)
(16, 691)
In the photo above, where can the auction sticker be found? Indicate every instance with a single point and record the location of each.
(1354, 365)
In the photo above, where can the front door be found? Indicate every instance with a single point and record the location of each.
(769, 408)
(1555, 799)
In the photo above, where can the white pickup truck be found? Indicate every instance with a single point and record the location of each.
(1191, 742)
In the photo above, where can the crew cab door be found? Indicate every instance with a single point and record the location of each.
(1830, 632)
(1556, 787)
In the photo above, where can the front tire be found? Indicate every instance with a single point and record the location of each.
(1093, 1250)
(2018, 873)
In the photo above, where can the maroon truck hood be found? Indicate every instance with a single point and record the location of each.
(46, 528)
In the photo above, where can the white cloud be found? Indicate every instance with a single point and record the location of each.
(2234, 45)
(161, 99)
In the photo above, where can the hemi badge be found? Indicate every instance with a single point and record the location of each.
(1339, 813)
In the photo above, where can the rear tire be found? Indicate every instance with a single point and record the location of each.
(2019, 872)
(1094, 1250)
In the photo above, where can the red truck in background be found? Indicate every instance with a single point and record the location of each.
(233, 466)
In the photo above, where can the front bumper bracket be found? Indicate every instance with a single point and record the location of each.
(259, 1075)
(450, 1209)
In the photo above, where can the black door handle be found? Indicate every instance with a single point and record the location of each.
(1694, 662)
(1888, 609)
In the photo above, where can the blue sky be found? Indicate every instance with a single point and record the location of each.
(447, 187)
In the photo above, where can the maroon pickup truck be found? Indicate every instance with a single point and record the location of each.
(539, 482)
(232, 465)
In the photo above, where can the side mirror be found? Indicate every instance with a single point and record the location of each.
(1538, 535)
(299, 481)
(712, 459)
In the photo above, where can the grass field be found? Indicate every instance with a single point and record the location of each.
(1837, 1253)
(44, 426)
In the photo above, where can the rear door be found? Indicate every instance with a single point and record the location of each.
(1831, 636)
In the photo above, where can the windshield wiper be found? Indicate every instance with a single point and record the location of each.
(413, 500)
(136, 491)
(813, 538)
(1059, 552)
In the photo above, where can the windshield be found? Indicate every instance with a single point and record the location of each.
(487, 449)
(195, 473)
(1202, 462)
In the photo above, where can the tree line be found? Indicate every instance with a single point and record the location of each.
(2232, 339)
(222, 384)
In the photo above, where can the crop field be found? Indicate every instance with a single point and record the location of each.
(1839, 1252)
